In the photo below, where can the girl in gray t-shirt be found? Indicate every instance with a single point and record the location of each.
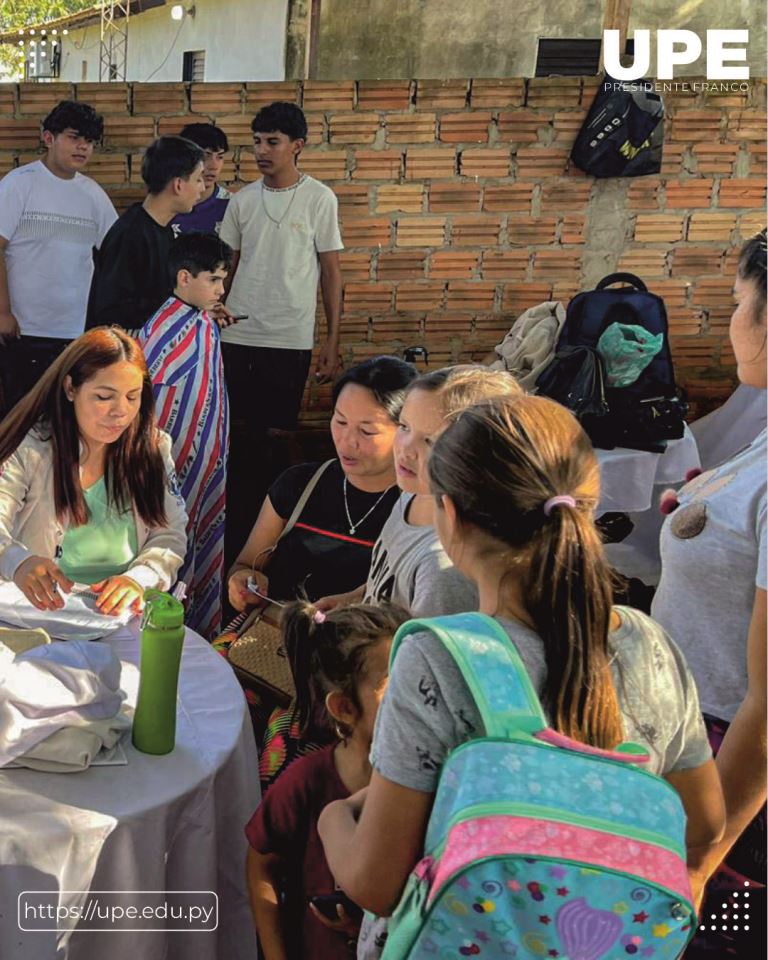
(409, 565)
(516, 483)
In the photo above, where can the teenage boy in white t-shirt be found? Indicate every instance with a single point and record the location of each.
(51, 219)
(284, 232)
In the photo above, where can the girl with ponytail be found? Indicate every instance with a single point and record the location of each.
(516, 482)
(339, 663)
(327, 656)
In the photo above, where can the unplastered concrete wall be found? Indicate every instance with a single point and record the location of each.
(459, 206)
(498, 38)
(699, 16)
(444, 38)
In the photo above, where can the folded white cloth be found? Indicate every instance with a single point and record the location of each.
(53, 686)
(73, 749)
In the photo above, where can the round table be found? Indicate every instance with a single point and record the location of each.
(173, 822)
(628, 477)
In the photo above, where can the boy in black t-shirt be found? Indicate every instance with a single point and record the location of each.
(131, 278)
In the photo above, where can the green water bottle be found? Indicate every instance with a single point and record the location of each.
(162, 636)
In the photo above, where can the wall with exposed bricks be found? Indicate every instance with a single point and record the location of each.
(459, 208)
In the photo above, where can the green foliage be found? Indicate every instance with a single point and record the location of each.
(22, 13)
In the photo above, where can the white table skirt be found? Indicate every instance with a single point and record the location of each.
(632, 482)
(628, 477)
(160, 823)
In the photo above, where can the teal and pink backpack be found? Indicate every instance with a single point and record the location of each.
(539, 846)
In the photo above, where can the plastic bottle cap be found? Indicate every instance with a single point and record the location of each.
(162, 611)
(632, 749)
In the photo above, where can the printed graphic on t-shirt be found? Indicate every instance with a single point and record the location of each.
(465, 724)
(41, 224)
(426, 760)
(708, 484)
(177, 229)
(428, 692)
(173, 487)
(689, 521)
(382, 577)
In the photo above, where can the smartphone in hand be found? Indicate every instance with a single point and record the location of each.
(327, 903)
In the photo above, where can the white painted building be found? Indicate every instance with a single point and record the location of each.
(214, 40)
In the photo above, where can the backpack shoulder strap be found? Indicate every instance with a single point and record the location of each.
(491, 667)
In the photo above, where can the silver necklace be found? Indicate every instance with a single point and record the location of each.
(294, 188)
(353, 526)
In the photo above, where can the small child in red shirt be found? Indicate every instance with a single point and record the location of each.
(339, 659)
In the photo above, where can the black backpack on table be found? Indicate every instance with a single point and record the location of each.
(644, 414)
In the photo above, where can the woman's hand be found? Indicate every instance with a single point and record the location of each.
(334, 600)
(117, 594)
(40, 580)
(240, 596)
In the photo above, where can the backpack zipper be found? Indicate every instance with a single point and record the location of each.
(539, 812)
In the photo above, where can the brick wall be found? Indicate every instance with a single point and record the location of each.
(458, 205)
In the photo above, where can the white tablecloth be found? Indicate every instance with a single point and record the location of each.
(725, 431)
(632, 482)
(628, 477)
(160, 823)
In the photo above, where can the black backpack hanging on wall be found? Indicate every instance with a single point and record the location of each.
(649, 411)
(623, 133)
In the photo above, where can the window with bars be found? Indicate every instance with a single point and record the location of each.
(194, 66)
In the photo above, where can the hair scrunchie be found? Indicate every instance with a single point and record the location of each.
(562, 500)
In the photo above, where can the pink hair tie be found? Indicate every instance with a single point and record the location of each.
(318, 616)
(562, 500)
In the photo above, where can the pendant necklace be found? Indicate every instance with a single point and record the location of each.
(353, 526)
(293, 187)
